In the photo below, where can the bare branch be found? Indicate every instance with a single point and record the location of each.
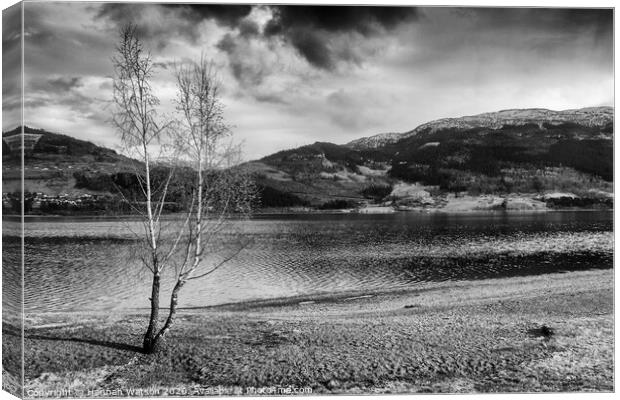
(218, 265)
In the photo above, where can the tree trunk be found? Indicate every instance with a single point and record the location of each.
(150, 338)
(174, 300)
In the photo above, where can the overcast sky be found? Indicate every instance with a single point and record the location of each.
(295, 75)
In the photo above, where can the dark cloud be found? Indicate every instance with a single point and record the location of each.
(560, 21)
(62, 90)
(11, 26)
(61, 84)
(356, 109)
(118, 12)
(11, 65)
(121, 14)
(598, 21)
(309, 29)
(183, 19)
(562, 18)
(227, 44)
(366, 20)
(106, 85)
(247, 70)
(313, 46)
(223, 14)
(461, 43)
(248, 28)
(63, 48)
(272, 98)
(167, 65)
(11, 84)
(72, 100)
(31, 103)
(602, 17)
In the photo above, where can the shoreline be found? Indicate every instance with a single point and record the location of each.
(334, 299)
(284, 212)
(458, 337)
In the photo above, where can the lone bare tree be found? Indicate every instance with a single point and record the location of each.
(136, 119)
(203, 240)
(220, 191)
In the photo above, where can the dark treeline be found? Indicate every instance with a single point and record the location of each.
(222, 188)
(486, 152)
(121, 194)
(338, 204)
(376, 192)
(127, 184)
(271, 197)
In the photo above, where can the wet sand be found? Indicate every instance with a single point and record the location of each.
(550, 332)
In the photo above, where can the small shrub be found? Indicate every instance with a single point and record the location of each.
(542, 331)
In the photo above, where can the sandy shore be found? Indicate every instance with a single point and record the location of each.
(474, 336)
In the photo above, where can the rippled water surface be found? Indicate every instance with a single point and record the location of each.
(91, 264)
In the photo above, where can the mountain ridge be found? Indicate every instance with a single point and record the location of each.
(587, 116)
(535, 151)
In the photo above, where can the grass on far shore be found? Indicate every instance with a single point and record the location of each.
(457, 337)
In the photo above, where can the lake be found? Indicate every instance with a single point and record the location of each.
(79, 264)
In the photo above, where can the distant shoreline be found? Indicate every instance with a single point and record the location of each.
(284, 211)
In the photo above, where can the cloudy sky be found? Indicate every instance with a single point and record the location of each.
(293, 75)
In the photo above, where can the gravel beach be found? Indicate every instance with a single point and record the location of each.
(550, 332)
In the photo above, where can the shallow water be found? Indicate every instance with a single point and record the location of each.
(91, 264)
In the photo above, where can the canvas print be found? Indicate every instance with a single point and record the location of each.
(253, 199)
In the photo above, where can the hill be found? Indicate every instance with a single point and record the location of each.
(50, 168)
(69, 147)
(536, 152)
(527, 159)
(587, 117)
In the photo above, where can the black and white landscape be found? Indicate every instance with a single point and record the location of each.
(293, 200)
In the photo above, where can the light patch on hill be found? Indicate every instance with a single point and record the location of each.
(342, 175)
(491, 202)
(601, 193)
(371, 172)
(410, 191)
(373, 209)
(559, 195)
(429, 144)
(325, 163)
